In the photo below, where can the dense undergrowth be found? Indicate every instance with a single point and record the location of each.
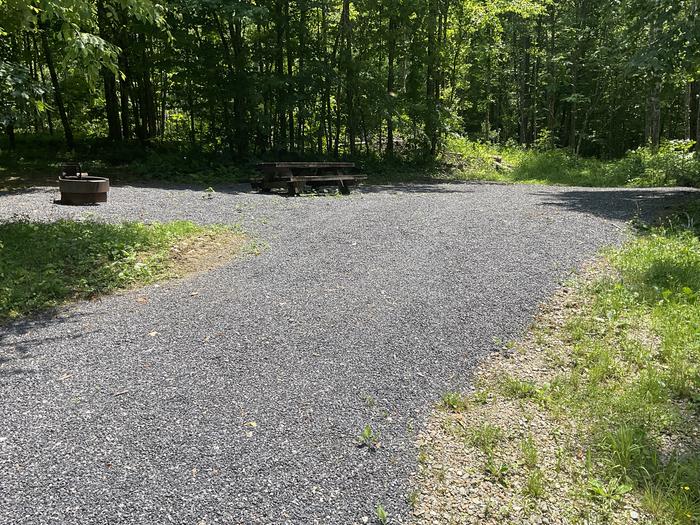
(673, 165)
(37, 159)
(45, 264)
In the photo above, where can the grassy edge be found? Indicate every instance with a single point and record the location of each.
(593, 417)
(47, 265)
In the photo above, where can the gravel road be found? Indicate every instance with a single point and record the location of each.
(236, 396)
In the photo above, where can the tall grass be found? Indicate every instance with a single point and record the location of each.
(673, 165)
(636, 381)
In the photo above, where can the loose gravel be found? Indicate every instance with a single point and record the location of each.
(236, 396)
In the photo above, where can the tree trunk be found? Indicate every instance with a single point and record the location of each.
(523, 86)
(124, 84)
(431, 117)
(114, 125)
(391, 51)
(239, 124)
(163, 103)
(551, 84)
(190, 104)
(49, 119)
(58, 98)
(654, 105)
(10, 130)
(281, 107)
(697, 118)
(346, 28)
(290, 73)
(688, 120)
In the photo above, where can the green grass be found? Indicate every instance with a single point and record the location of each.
(485, 437)
(43, 265)
(673, 165)
(636, 379)
(453, 401)
(535, 484)
(529, 450)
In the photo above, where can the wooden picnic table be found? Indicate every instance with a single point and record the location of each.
(295, 176)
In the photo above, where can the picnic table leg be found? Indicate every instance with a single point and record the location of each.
(344, 187)
(294, 188)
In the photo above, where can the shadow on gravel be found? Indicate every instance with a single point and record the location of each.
(620, 204)
(17, 343)
(444, 187)
(24, 191)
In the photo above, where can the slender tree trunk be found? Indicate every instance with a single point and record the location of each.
(654, 105)
(32, 63)
(697, 118)
(431, 118)
(301, 88)
(551, 84)
(190, 104)
(58, 97)
(391, 52)
(688, 111)
(488, 85)
(149, 106)
(346, 28)
(523, 90)
(114, 125)
(124, 81)
(281, 107)
(290, 72)
(10, 130)
(114, 129)
(654, 100)
(49, 119)
(163, 103)
(239, 121)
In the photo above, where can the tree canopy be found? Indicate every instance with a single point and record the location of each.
(342, 77)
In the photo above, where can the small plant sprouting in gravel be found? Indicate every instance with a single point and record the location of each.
(481, 397)
(560, 461)
(382, 515)
(497, 471)
(255, 247)
(453, 401)
(209, 193)
(520, 389)
(608, 493)
(534, 487)
(412, 498)
(370, 401)
(368, 438)
(485, 437)
(529, 450)
(423, 456)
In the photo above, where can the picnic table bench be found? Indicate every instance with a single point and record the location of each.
(295, 176)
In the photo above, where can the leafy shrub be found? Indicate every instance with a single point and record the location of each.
(673, 165)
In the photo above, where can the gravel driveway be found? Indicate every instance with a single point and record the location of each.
(236, 396)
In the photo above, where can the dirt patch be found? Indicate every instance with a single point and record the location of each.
(205, 252)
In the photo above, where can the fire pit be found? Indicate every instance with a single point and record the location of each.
(78, 188)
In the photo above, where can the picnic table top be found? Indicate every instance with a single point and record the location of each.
(306, 165)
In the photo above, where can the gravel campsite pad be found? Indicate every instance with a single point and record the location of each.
(237, 395)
